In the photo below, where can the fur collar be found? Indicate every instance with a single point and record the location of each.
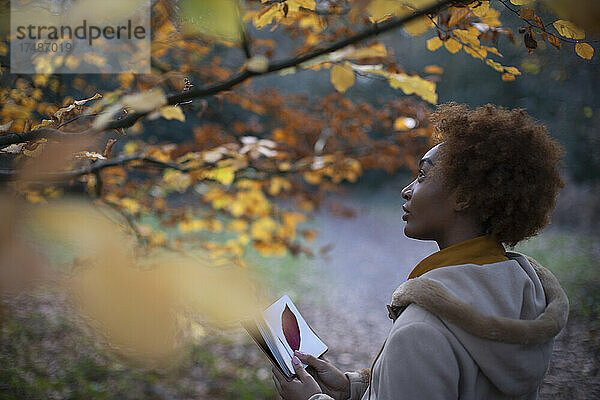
(434, 298)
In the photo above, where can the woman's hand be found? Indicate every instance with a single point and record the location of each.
(297, 389)
(331, 380)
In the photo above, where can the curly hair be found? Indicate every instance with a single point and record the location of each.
(503, 163)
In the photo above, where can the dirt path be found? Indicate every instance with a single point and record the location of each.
(370, 258)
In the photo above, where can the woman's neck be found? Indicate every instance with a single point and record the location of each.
(462, 229)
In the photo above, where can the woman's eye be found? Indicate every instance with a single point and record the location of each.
(421, 175)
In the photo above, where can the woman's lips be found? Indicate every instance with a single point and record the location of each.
(406, 212)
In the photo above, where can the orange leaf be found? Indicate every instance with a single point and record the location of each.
(584, 50)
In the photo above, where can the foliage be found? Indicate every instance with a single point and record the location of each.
(256, 176)
(575, 261)
(239, 170)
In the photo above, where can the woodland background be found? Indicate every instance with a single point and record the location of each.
(212, 186)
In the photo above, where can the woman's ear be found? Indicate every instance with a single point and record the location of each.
(461, 202)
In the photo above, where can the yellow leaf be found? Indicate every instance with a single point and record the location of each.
(294, 5)
(492, 50)
(176, 180)
(130, 205)
(40, 79)
(376, 50)
(508, 77)
(237, 225)
(512, 70)
(457, 15)
(193, 225)
(491, 18)
(480, 9)
(263, 228)
(342, 77)
(284, 166)
(132, 147)
(276, 249)
(277, 184)
(414, 84)
(584, 50)
(522, 2)
(313, 22)
(418, 26)
(433, 69)
(496, 65)
(292, 219)
(568, 29)
(467, 37)
(452, 45)
(312, 177)
(434, 43)
(383, 9)
(267, 15)
(224, 175)
(476, 52)
(172, 112)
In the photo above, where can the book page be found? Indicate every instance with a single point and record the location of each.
(299, 334)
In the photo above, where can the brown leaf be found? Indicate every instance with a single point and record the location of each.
(529, 39)
(290, 327)
(554, 41)
(527, 13)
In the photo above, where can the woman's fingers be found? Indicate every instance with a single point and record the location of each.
(300, 371)
(311, 360)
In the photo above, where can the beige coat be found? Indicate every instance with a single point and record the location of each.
(468, 332)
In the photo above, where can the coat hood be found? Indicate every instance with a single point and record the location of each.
(505, 314)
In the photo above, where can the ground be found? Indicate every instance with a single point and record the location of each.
(45, 355)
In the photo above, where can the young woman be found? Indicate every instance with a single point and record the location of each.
(472, 321)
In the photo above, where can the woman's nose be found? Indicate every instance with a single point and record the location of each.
(407, 191)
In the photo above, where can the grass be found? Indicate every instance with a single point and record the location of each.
(575, 260)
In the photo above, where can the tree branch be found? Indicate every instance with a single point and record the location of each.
(34, 135)
(242, 76)
(9, 174)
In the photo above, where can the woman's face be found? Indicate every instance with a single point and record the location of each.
(429, 207)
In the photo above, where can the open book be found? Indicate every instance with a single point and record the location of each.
(279, 330)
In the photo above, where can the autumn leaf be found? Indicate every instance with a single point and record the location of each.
(452, 45)
(291, 330)
(342, 77)
(584, 50)
(418, 26)
(568, 29)
(172, 112)
(433, 69)
(480, 9)
(554, 41)
(434, 43)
